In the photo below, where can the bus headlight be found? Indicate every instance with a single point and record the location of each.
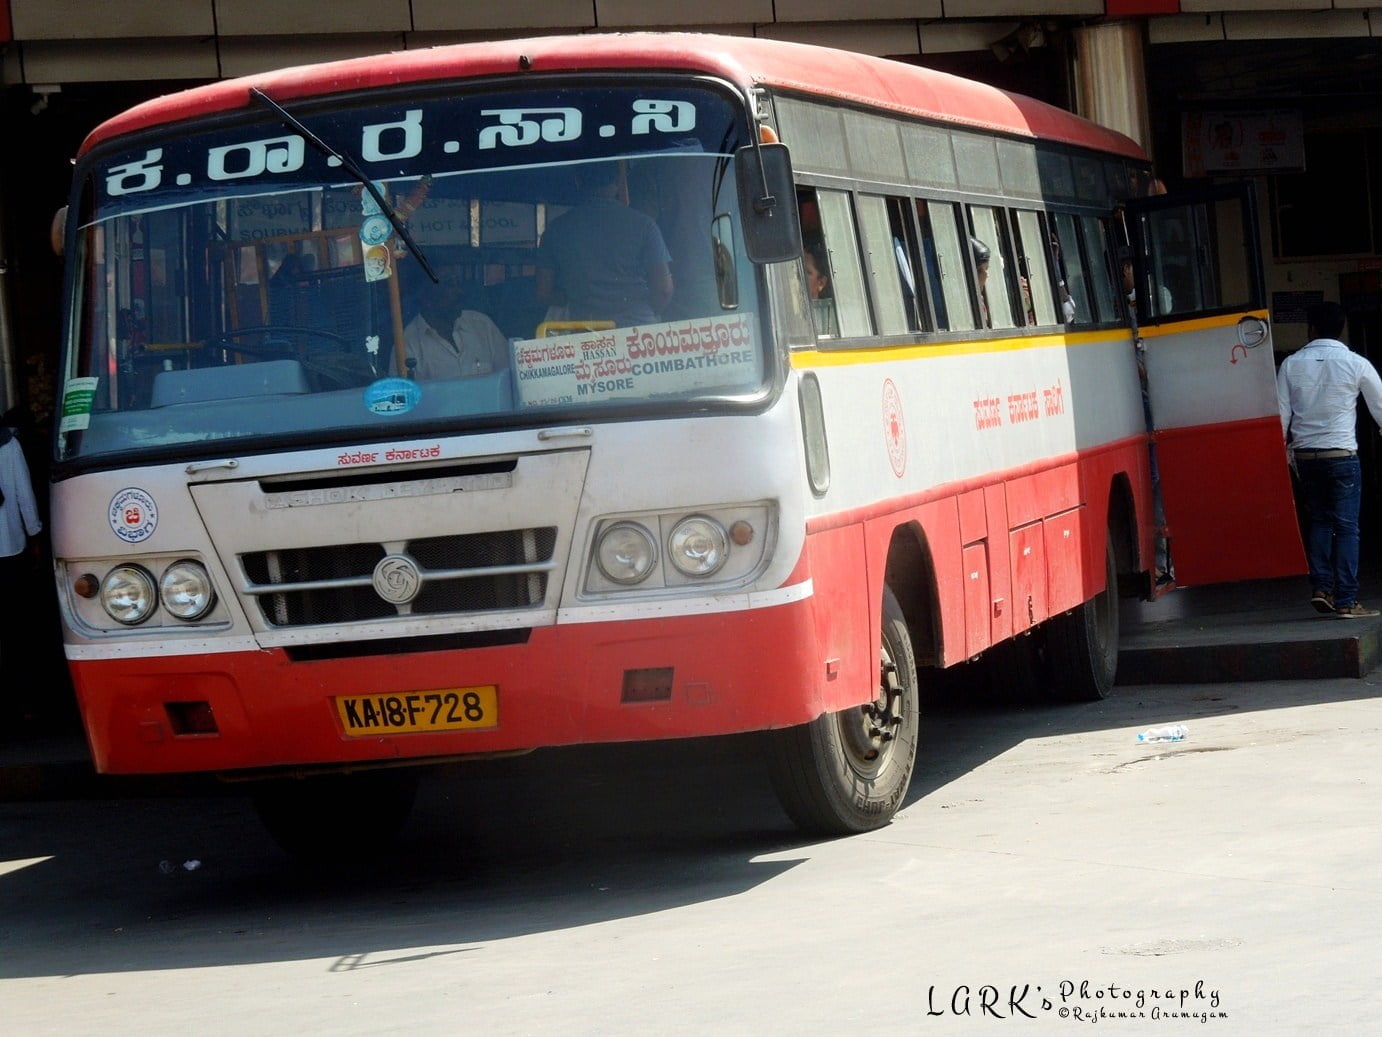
(697, 546)
(186, 591)
(626, 553)
(127, 594)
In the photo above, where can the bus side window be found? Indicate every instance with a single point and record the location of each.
(1074, 281)
(998, 286)
(945, 260)
(890, 248)
(1105, 276)
(846, 270)
(815, 266)
(1034, 264)
(910, 272)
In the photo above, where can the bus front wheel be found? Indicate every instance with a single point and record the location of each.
(847, 772)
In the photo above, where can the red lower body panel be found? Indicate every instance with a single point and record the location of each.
(1230, 510)
(730, 672)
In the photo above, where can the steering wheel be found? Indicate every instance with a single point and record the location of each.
(270, 349)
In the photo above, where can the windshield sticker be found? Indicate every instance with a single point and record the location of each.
(375, 230)
(133, 515)
(675, 358)
(392, 396)
(378, 263)
(78, 395)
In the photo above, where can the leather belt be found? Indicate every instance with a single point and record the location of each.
(1319, 455)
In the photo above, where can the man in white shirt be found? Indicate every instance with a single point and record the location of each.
(448, 340)
(1317, 390)
(19, 524)
(19, 518)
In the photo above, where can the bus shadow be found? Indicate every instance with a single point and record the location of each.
(960, 732)
(497, 850)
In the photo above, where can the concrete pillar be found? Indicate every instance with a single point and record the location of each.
(1111, 79)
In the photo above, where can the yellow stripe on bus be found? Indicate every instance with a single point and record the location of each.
(1223, 320)
(846, 356)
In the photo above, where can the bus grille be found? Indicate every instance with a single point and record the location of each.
(457, 575)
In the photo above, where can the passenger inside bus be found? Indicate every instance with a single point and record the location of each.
(449, 337)
(981, 274)
(1164, 301)
(602, 259)
(1067, 301)
(816, 266)
(817, 270)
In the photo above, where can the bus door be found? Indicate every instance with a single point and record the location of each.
(1218, 451)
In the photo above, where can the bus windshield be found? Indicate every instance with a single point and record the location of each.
(566, 248)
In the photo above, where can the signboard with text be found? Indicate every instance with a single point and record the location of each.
(1219, 143)
(671, 359)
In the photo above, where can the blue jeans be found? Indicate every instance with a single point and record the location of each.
(1332, 488)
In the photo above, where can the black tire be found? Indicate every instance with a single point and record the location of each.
(847, 772)
(1082, 645)
(337, 820)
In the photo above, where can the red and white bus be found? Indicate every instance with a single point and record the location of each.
(284, 554)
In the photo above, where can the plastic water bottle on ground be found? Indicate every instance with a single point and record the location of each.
(1170, 733)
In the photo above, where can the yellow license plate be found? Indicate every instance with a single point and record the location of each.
(409, 712)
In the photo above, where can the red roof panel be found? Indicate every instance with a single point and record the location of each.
(746, 61)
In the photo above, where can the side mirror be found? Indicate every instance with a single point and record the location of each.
(768, 203)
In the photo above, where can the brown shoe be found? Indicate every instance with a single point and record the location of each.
(1355, 611)
(1323, 602)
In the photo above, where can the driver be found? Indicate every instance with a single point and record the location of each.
(447, 339)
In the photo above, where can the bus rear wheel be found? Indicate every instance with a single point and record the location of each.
(1082, 645)
(847, 772)
(337, 819)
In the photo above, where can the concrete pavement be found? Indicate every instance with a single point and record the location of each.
(1255, 631)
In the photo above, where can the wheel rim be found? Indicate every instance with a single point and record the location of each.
(869, 736)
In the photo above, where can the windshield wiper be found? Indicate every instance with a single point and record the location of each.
(354, 170)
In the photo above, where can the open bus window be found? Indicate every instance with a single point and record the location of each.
(890, 243)
(1037, 287)
(815, 266)
(998, 287)
(846, 269)
(1099, 261)
(947, 264)
(1074, 282)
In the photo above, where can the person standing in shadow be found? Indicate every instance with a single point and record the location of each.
(1317, 392)
(20, 525)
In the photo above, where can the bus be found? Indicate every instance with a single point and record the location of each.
(290, 554)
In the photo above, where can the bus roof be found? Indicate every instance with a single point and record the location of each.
(747, 61)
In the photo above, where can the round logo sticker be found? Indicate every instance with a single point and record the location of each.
(894, 429)
(133, 515)
(375, 230)
(392, 396)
